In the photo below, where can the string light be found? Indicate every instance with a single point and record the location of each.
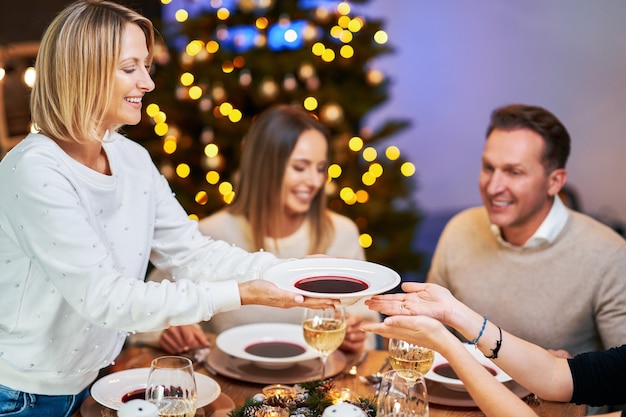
(407, 169)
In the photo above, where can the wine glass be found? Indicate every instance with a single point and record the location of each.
(324, 330)
(402, 395)
(405, 357)
(172, 386)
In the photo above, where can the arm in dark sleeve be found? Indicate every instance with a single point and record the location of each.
(599, 377)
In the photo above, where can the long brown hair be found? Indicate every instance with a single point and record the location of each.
(267, 146)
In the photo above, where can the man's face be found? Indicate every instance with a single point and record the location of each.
(514, 185)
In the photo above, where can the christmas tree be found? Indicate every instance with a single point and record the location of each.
(224, 62)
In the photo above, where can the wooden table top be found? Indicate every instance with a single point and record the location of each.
(238, 391)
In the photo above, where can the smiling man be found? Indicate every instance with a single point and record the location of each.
(548, 274)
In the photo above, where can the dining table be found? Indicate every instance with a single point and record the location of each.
(234, 391)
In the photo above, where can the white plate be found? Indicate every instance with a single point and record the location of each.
(236, 340)
(377, 278)
(110, 389)
(456, 384)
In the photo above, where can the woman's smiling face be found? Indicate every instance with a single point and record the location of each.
(131, 81)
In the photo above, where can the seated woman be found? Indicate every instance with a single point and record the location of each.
(421, 314)
(280, 207)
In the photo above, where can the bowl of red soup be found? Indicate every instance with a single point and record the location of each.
(442, 372)
(347, 280)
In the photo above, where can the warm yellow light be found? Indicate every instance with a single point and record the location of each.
(161, 129)
(362, 196)
(223, 13)
(343, 8)
(202, 198)
(346, 51)
(193, 217)
(228, 67)
(376, 169)
(335, 31)
(211, 150)
(212, 47)
(181, 15)
(225, 188)
(318, 48)
(239, 61)
(355, 144)
(369, 154)
(328, 55)
(346, 36)
(334, 171)
(2, 73)
(347, 194)
(212, 177)
(381, 37)
(407, 169)
(261, 23)
(152, 109)
(160, 117)
(228, 198)
(365, 240)
(29, 76)
(310, 103)
(392, 153)
(343, 21)
(194, 47)
(368, 179)
(183, 170)
(355, 25)
(187, 79)
(235, 116)
(166, 1)
(169, 146)
(195, 92)
(374, 76)
(225, 108)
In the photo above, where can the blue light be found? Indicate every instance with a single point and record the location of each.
(276, 36)
(314, 4)
(239, 38)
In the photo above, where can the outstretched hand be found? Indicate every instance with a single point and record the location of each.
(418, 299)
(420, 330)
(266, 293)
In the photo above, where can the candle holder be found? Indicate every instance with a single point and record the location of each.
(272, 412)
(278, 390)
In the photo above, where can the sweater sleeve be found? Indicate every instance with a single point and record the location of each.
(599, 377)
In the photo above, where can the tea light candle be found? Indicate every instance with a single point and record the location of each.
(278, 390)
(273, 412)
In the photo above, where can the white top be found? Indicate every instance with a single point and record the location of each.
(74, 249)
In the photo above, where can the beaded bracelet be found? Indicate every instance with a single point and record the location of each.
(482, 329)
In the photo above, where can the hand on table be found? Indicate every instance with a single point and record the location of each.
(179, 339)
(355, 337)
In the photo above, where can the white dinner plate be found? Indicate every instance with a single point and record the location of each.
(110, 389)
(440, 363)
(373, 278)
(238, 342)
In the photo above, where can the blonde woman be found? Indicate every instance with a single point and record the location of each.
(83, 211)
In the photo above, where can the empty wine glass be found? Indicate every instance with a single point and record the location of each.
(172, 386)
(401, 395)
(406, 357)
(324, 330)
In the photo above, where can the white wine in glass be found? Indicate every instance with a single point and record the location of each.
(410, 357)
(172, 386)
(324, 331)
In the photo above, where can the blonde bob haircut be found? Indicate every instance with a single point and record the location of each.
(75, 68)
(267, 146)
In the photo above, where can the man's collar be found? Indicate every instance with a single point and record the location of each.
(547, 232)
